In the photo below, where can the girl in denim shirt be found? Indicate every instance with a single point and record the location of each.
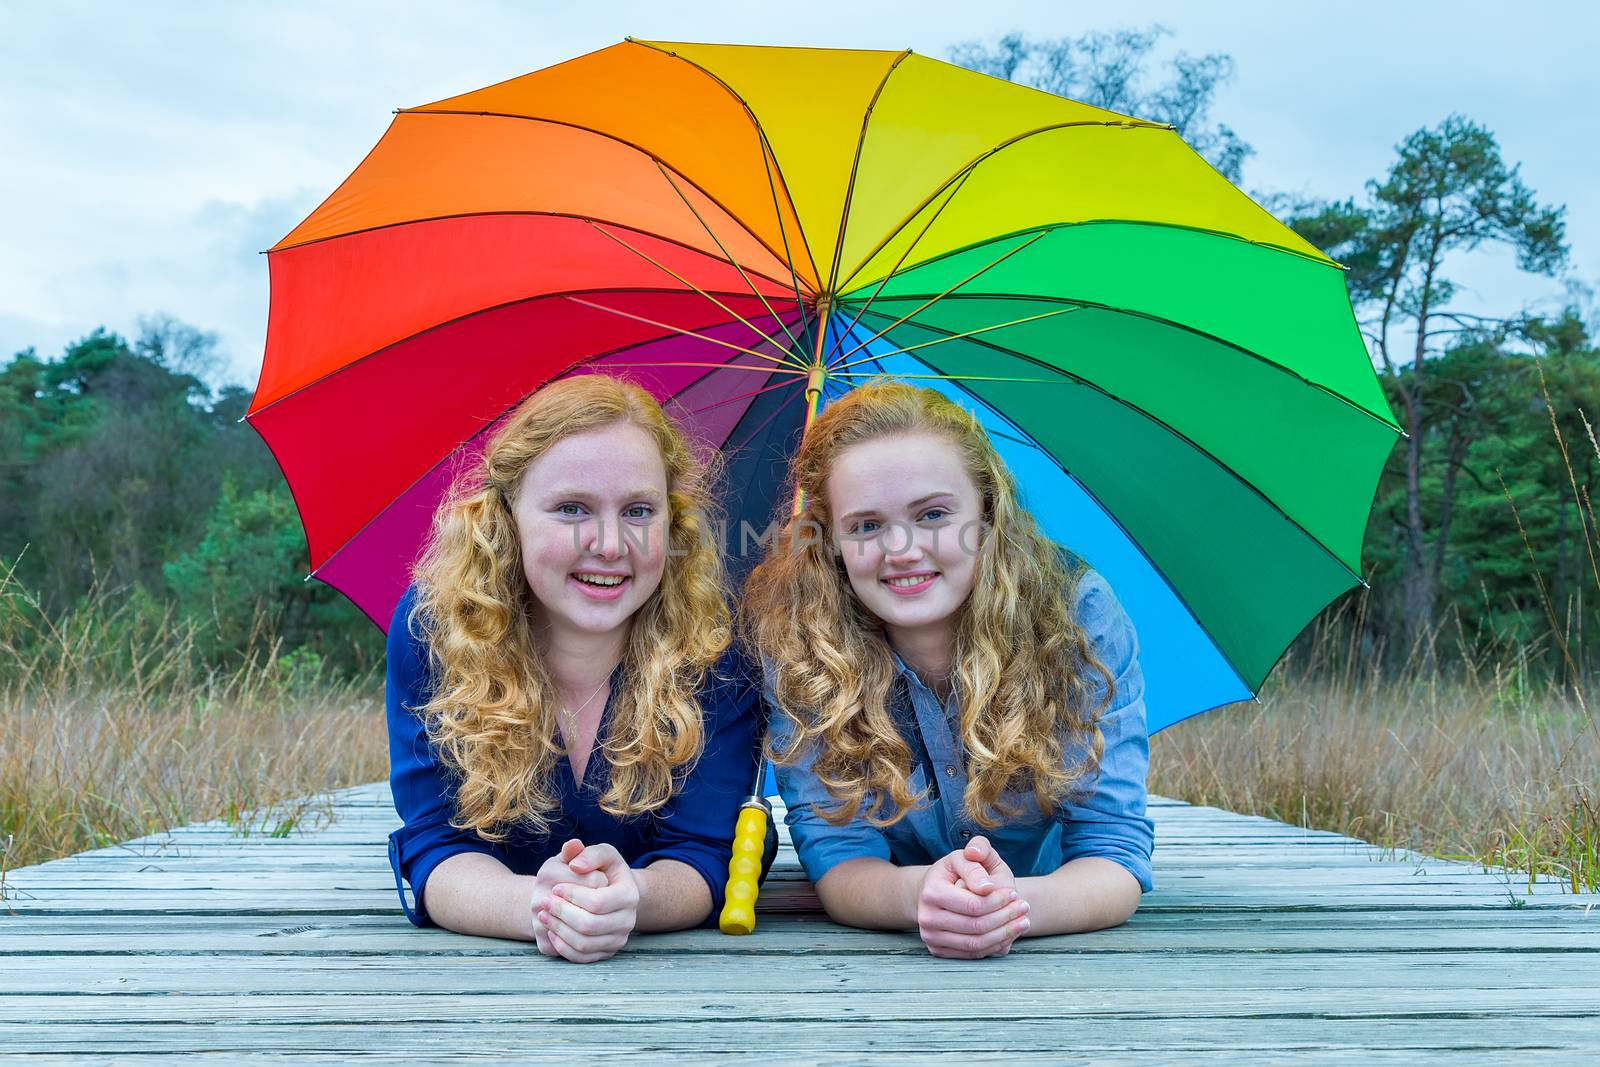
(958, 724)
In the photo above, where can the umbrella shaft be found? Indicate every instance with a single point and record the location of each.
(814, 385)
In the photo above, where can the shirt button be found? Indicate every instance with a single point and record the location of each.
(966, 833)
(949, 770)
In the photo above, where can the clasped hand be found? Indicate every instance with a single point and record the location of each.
(968, 907)
(585, 903)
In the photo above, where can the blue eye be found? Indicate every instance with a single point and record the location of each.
(865, 526)
(934, 513)
(569, 509)
(640, 511)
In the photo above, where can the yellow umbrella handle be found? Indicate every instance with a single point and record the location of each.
(744, 868)
(755, 814)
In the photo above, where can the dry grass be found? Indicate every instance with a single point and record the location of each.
(1518, 791)
(111, 728)
(1482, 767)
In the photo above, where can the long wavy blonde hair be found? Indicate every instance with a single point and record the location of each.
(493, 711)
(1021, 662)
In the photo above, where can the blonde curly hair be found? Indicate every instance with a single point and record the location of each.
(493, 711)
(1020, 664)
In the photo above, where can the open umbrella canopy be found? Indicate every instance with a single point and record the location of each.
(1176, 378)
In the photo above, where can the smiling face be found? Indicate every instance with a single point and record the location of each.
(592, 519)
(908, 520)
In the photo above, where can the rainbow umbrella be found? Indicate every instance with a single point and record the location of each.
(1176, 378)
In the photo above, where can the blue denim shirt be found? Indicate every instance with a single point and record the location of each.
(1105, 816)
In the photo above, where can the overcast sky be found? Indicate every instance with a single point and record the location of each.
(149, 151)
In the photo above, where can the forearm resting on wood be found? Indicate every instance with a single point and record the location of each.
(872, 893)
(474, 893)
(1086, 894)
(672, 896)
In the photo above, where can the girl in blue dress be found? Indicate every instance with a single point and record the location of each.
(570, 730)
(958, 725)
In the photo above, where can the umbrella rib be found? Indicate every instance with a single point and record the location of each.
(837, 344)
(1172, 323)
(767, 152)
(463, 317)
(935, 299)
(1108, 220)
(655, 263)
(1064, 380)
(665, 173)
(751, 436)
(685, 332)
(741, 396)
(855, 165)
(956, 337)
(599, 133)
(783, 232)
(718, 366)
(972, 164)
(1024, 440)
(511, 214)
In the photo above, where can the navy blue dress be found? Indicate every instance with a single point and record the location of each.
(695, 827)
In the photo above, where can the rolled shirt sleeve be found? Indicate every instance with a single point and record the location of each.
(419, 782)
(1105, 815)
(696, 826)
(820, 844)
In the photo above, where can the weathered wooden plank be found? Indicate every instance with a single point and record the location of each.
(1492, 1057)
(1306, 975)
(1580, 921)
(996, 1006)
(954, 1037)
(1225, 930)
(368, 876)
(1202, 896)
(802, 936)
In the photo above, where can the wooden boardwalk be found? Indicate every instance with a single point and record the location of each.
(1261, 943)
